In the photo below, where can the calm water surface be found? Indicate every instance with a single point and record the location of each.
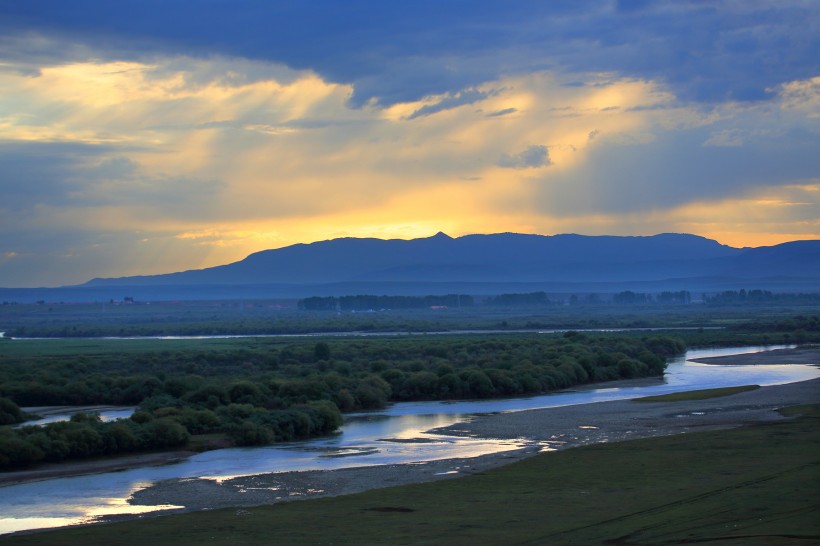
(394, 435)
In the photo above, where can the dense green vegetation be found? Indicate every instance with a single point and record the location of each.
(85, 436)
(10, 413)
(258, 391)
(261, 390)
(698, 488)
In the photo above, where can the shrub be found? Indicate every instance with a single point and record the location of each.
(10, 414)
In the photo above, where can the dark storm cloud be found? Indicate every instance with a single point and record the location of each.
(399, 51)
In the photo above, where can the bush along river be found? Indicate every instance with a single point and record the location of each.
(395, 435)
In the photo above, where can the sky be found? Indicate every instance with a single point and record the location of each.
(152, 136)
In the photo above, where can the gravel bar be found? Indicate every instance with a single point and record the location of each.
(545, 429)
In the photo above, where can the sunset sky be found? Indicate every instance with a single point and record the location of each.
(151, 136)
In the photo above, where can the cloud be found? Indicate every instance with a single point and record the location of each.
(801, 96)
(715, 52)
(468, 96)
(725, 138)
(40, 172)
(673, 169)
(119, 158)
(533, 157)
(504, 112)
(68, 175)
(133, 143)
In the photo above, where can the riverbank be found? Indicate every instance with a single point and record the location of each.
(546, 429)
(689, 488)
(92, 466)
(800, 355)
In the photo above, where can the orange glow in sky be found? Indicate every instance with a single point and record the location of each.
(134, 160)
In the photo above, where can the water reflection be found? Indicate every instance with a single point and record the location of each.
(364, 440)
(54, 414)
(395, 435)
(68, 501)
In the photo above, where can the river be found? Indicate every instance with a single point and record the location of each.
(394, 435)
(354, 333)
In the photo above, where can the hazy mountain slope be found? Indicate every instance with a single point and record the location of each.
(504, 257)
(795, 259)
(474, 264)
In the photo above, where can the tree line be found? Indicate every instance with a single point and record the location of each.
(375, 303)
(741, 296)
(533, 310)
(540, 298)
(263, 391)
(629, 297)
(513, 300)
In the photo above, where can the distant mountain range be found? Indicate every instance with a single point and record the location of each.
(506, 259)
(487, 264)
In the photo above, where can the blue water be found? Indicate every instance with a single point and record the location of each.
(365, 439)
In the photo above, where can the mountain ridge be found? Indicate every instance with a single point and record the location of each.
(499, 258)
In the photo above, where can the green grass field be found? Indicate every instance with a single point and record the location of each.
(283, 317)
(748, 486)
